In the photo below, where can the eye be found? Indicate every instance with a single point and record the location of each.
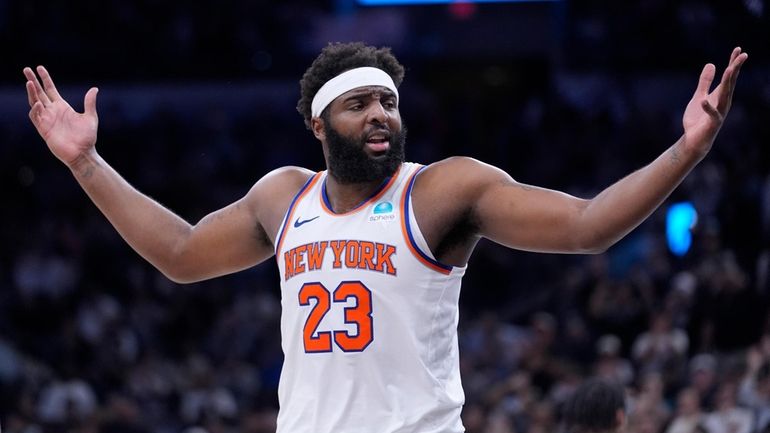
(356, 107)
(390, 104)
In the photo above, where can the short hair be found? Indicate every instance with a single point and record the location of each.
(337, 58)
(593, 407)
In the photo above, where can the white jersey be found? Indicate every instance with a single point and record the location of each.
(369, 319)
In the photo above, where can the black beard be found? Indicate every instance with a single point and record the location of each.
(349, 163)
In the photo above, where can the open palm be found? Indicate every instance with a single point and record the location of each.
(706, 111)
(67, 133)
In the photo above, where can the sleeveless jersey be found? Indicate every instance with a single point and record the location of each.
(369, 317)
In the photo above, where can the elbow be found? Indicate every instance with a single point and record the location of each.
(594, 243)
(178, 266)
(179, 272)
(598, 249)
(176, 275)
(179, 278)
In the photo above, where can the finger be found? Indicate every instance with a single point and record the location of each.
(31, 93)
(736, 52)
(729, 79)
(90, 101)
(41, 96)
(738, 63)
(35, 94)
(48, 83)
(710, 110)
(724, 90)
(35, 112)
(706, 78)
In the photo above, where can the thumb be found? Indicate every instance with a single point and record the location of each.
(90, 101)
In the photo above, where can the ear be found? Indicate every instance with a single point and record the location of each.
(318, 127)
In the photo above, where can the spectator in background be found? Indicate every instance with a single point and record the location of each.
(610, 364)
(597, 406)
(662, 348)
(688, 412)
(754, 391)
(650, 401)
(727, 416)
(703, 377)
(65, 401)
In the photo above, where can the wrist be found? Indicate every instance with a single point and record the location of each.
(690, 152)
(84, 164)
(695, 147)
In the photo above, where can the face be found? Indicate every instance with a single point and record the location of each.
(364, 135)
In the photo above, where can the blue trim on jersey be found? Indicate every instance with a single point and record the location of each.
(409, 226)
(329, 205)
(288, 212)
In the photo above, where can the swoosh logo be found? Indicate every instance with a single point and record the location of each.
(298, 223)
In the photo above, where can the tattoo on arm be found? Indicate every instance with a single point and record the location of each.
(87, 171)
(675, 157)
(217, 216)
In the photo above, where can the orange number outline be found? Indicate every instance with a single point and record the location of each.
(359, 315)
(323, 341)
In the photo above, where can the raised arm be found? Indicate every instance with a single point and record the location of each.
(537, 219)
(225, 241)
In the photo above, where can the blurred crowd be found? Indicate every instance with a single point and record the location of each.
(94, 340)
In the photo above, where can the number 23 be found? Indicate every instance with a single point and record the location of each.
(359, 314)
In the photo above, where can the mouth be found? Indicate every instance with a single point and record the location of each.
(378, 142)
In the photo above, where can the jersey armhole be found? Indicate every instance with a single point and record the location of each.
(412, 235)
(290, 211)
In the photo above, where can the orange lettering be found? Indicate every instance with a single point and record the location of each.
(315, 256)
(299, 266)
(366, 257)
(337, 248)
(351, 254)
(288, 260)
(384, 253)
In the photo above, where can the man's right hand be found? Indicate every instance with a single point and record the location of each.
(67, 133)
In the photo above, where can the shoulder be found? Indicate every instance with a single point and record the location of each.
(281, 182)
(286, 177)
(271, 195)
(460, 174)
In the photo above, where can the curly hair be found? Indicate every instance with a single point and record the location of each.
(337, 58)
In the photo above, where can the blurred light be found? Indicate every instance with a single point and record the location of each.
(680, 219)
(755, 7)
(462, 9)
(439, 2)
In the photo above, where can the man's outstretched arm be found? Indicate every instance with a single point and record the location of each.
(538, 219)
(225, 241)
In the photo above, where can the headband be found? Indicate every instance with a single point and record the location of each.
(349, 80)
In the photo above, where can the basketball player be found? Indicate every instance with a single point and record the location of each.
(372, 250)
(597, 406)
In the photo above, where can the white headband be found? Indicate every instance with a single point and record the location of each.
(349, 80)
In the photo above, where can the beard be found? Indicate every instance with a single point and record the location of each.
(349, 162)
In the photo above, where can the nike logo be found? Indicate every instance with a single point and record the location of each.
(299, 223)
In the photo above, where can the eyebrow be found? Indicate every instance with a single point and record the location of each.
(369, 91)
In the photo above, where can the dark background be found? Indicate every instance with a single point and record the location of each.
(197, 102)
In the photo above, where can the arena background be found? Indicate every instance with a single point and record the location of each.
(197, 102)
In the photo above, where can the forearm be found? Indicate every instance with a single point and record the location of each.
(617, 210)
(156, 233)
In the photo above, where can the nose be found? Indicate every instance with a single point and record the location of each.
(376, 113)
